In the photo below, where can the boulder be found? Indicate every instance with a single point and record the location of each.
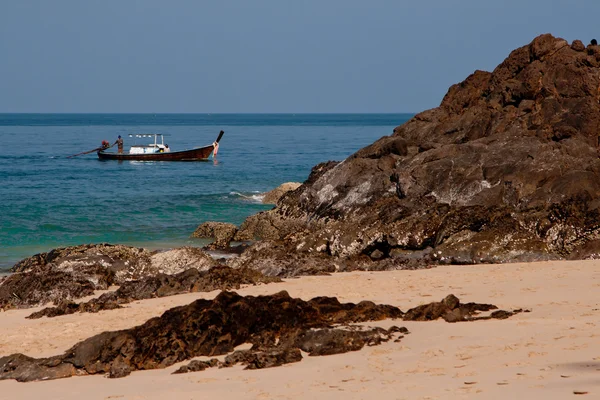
(274, 195)
(180, 259)
(578, 45)
(222, 233)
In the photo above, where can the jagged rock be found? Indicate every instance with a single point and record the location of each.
(204, 327)
(449, 309)
(125, 261)
(274, 195)
(325, 342)
(178, 260)
(277, 260)
(162, 285)
(30, 289)
(316, 342)
(587, 251)
(578, 45)
(68, 273)
(505, 169)
(18, 365)
(222, 233)
(196, 365)
(257, 226)
(275, 325)
(263, 359)
(68, 307)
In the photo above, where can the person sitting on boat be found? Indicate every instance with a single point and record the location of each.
(119, 143)
(167, 148)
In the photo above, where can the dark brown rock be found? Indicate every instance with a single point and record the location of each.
(221, 232)
(29, 289)
(21, 368)
(273, 196)
(578, 45)
(196, 365)
(504, 170)
(204, 327)
(324, 342)
(451, 310)
(277, 326)
(68, 273)
(122, 260)
(316, 342)
(587, 251)
(264, 359)
(162, 285)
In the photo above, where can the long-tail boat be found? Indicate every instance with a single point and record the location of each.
(159, 151)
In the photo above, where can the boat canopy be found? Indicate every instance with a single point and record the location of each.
(145, 135)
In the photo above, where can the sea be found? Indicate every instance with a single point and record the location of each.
(50, 200)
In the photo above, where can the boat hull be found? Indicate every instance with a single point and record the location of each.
(197, 154)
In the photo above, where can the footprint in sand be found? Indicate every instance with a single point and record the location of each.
(433, 353)
(463, 356)
(465, 374)
(206, 380)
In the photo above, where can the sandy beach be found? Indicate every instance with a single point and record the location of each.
(552, 352)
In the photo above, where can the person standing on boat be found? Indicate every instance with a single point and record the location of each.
(119, 143)
(167, 148)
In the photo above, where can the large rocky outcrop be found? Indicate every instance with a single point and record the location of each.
(505, 169)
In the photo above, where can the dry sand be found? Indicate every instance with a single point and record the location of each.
(553, 352)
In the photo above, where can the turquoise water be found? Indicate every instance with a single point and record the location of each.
(48, 200)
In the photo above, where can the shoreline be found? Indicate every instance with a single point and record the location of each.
(543, 353)
(168, 244)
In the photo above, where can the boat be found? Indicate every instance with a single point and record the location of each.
(158, 151)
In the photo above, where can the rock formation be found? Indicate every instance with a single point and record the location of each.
(276, 326)
(69, 273)
(273, 196)
(162, 285)
(506, 169)
(180, 259)
(116, 257)
(221, 232)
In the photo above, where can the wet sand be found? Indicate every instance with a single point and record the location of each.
(552, 352)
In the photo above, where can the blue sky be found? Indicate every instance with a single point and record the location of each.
(262, 56)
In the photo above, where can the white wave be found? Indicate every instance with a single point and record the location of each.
(254, 197)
